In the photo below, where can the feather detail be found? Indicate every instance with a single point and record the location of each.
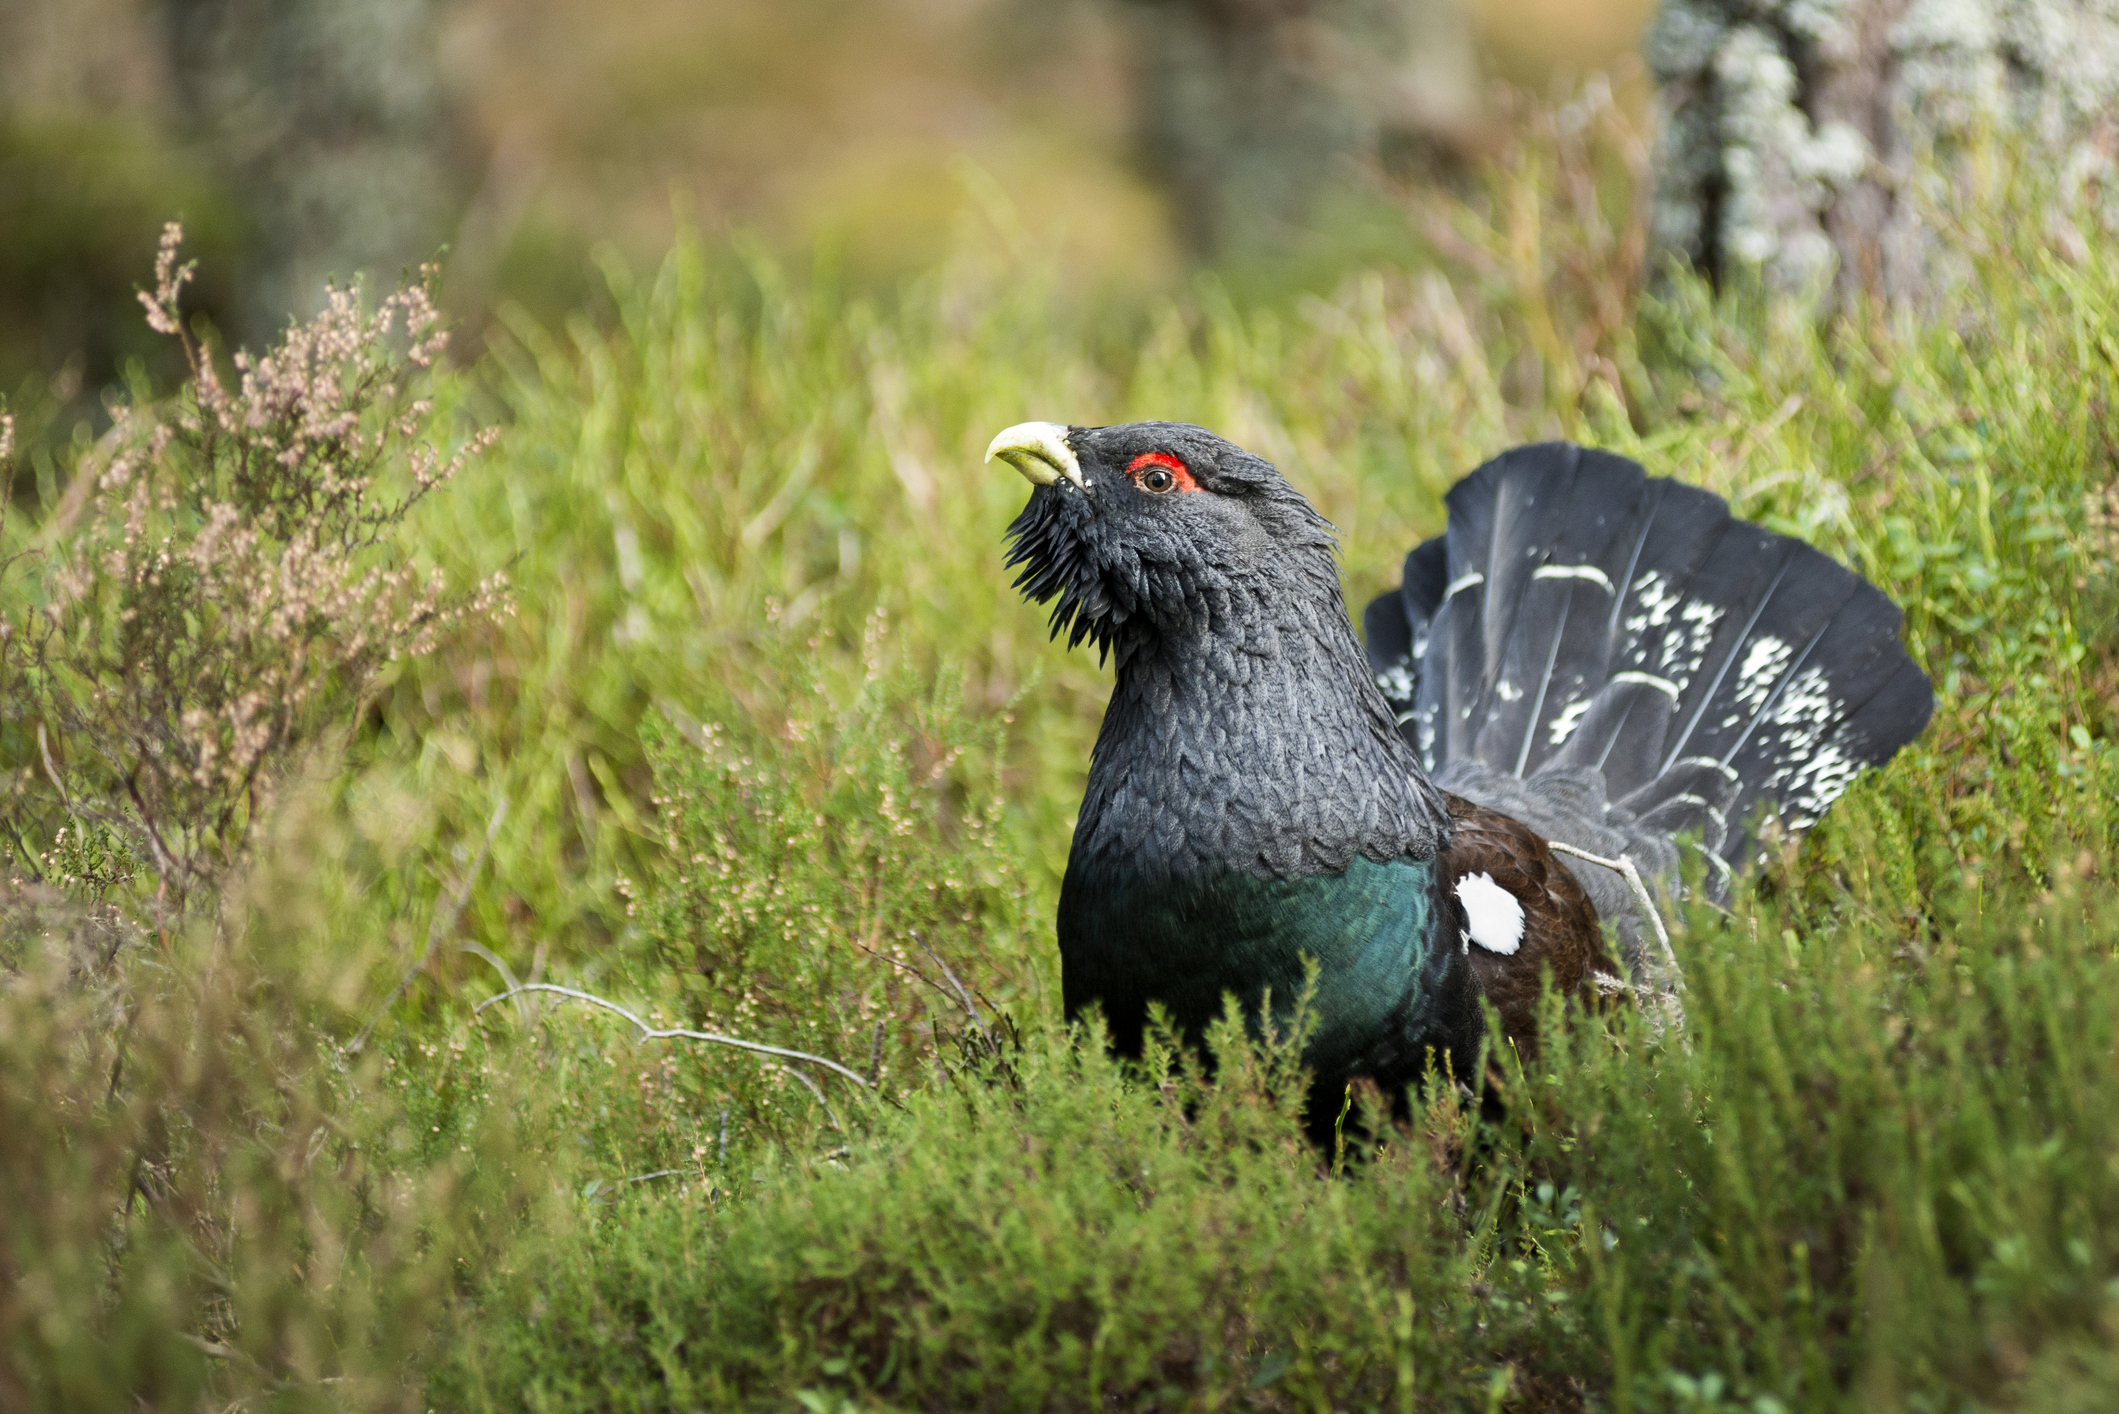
(1622, 655)
(1521, 919)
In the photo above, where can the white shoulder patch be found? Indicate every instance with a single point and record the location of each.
(1495, 916)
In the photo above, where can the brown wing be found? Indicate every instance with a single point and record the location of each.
(1560, 932)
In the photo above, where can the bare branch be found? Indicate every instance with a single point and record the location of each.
(1624, 866)
(962, 995)
(811, 1086)
(654, 1033)
(905, 967)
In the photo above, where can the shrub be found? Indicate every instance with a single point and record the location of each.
(197, 1206)
(837, 871)
(222, 580)
(197, 1202)
(1081, 1238)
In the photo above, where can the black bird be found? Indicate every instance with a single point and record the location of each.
(1588, 655)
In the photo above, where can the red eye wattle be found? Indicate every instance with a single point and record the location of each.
(1160, 472)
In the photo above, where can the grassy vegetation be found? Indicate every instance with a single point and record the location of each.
(766, 748)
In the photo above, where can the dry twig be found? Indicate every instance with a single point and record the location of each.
(962, 995)
(1624, 866)
(678, 1033)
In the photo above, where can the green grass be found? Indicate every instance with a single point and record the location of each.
(768, 747)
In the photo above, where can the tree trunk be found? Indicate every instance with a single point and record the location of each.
(333, 122)
(1254, 112)
(1820, 142)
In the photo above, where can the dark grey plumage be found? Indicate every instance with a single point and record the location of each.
(1250, 801)
(1609, 660)
(1618, 662)
(1240, 694)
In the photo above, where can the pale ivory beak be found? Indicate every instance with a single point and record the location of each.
(1040, 452)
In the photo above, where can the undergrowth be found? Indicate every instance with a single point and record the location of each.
(767, 753)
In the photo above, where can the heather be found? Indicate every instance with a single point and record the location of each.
(310, 813)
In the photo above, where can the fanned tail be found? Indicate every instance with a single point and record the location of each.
(1620, 663)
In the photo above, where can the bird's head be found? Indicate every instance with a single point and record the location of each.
(1154, 526)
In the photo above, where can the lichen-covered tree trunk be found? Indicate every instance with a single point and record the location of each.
(1818, 141)
(333, 121)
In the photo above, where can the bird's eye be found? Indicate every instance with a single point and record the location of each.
(1159, 473)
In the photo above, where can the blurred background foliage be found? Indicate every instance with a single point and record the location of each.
(534, 140)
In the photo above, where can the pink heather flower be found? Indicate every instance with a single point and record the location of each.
(226, 566)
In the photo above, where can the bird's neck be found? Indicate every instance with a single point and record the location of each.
(1251, 737)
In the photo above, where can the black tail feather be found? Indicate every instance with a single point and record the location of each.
(1580, 615)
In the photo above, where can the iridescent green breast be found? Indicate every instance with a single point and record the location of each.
(1188, 941)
